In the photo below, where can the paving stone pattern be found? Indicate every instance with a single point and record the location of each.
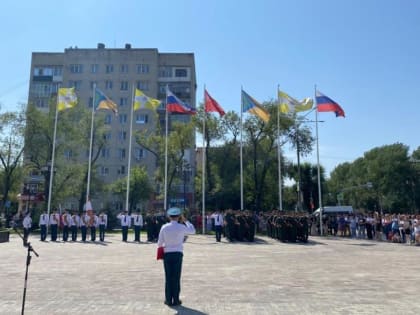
(325, 276)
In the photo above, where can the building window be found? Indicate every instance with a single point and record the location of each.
(109, 68)
(68, 154)
(76, 84)
(123, 101)
(139, 153)
(104, 170)
(123, 118)
(107, 135)
(121, 170)
(181, 73)
(142, 119)
(165, 72)
(124, 86)
(76, 68)
(41, 102)
(143, 85)
(143, 68)
(108, 85)
(124, 68)
(94, 68)
(108, 119)
(93, 84)
(105, 153)
(121, 154)
(122, 135)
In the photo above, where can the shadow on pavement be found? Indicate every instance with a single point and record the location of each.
(182, 310)
(362, 244)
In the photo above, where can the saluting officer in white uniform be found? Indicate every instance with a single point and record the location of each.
(138, 224)
(218, 224)
(27, 224)
(125, 219)
(43, 222)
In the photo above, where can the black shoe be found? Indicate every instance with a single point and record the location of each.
(167, 303)
(177, 303)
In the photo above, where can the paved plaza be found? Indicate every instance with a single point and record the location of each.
(324, 276)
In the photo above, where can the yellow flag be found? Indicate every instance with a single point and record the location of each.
(66, 98)
(141, 101)
(289, 105)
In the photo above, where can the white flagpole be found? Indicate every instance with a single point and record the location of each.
(129, 151)
(51, 170)
(240, 155)
(166, 151)
(279, 152)
(90, 147)
(204, 167)
(319, 168)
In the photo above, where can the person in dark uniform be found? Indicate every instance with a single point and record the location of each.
(171, 238)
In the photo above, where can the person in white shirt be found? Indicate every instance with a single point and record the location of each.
(171, 238)
(84, 223)
(54, 220)
(125, 219)
(43, 222)
(27, 224)
(218, 224)
(94, 224)
(103, 223)
(66, 225)
(75, 223)
(138, 223)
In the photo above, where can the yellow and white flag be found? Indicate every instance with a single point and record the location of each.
(142, 101)
(66, 98)
(289, 105)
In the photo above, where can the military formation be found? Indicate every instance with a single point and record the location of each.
(239, 226)
(288, 227)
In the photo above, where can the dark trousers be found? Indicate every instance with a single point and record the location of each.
(74, 233)
(43, 232)
(84, 231)
(53, 232)
(124, 233)
(92, 233)
(25, 236)
(137, 229)
(102, 232)
(65, 233)
(218, 229)
(173, 266)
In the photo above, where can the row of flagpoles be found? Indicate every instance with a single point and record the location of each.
(287, 105)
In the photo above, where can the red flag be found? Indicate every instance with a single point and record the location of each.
(210, 104)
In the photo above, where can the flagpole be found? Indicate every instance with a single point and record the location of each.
(203, 188)
(279, 152)
(51, 170)
(90, 147)
(318, 166)
(166, 151)
(129, 152)
(240, 155)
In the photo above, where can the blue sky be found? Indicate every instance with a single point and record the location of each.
(364, 54)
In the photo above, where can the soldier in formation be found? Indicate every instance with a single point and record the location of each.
(290, 227)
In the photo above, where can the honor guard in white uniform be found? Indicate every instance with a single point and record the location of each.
(43, 223)
(125, 219)
(27, 224)
(84, 224)
(75, 223)
(103, 223)
(94, 224)
(66, 225)
(138, 224)
(54, 221)
(218, 224)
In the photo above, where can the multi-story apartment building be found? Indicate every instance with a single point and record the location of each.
(115, 71)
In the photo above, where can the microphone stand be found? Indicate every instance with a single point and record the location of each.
(28, 262)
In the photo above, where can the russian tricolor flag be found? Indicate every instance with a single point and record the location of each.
(325, 104)
(175, 105)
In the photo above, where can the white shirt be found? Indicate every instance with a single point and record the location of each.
(171, 236)
(138, 220)
(43, 219)
(88, 206)
(125, 219)
(67, 220)
(54, 218)
(218, 218)
(95, 221)
(75, 220)
(103, 219)
(27, 222)
(84, 220)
